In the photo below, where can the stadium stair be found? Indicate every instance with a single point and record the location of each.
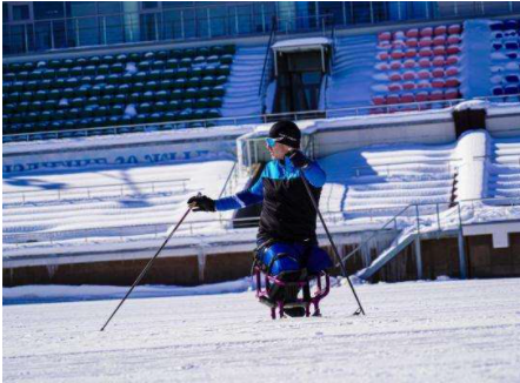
(349, 83)
(242, 98)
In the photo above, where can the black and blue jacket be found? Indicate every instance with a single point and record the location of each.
(288, 214)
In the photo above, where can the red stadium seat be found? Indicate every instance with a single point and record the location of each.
(382, 66)
(451, 94)
(425, 52)
(452, 71)
(392, 99)
(439, 50)
(384, 36)
(453, 49)
(421, 96)
(436, 95)
(440, 30)
(438, 61)
(395, 76)
(410, 53)
(397, 54)
(384, 45)
(395, 65)
(412, 42)
(412, 32)
(452, 82)
(424, 84)
(406, 98)
(409, 85)
(398, 44)
(395, 87)
(426, 31)
(425, 63)
(438, 73)
(452, 60)
(409, 75)
(379, 100)
(383, 56)
(454, 39)
(409, 64)
(425, 41)
(439, 40)
(399, 35)
(454, 29)
(438, 83)
(424, 74)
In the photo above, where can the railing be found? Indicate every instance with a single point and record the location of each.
(247, 119)
(264, 81)
(460, 208)
(135, 188)
(224, 121)
(223, 20)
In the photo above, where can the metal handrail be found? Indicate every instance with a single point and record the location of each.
(261, 89)
(263, 118)
(418, 206)
(95, 186)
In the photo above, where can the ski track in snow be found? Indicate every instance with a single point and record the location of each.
(456, 331)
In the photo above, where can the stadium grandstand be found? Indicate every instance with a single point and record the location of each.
(115, 113)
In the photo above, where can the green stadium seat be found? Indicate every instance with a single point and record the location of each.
(205, 91)
(50, 105)
(149, 96)
(100, 79)
(201, 103)
(124, 89)
(215, 102)
(86, 80)
(192, 93)
(149, 55)
(151, 85)
(141, 76)
(54, 64)
(166, 85)
(103, 69)
(90, 70)
(135, 97)
(213, 113)
(134, 57)
(49, 73)
(121, 98)
(221, 79)
(187, 103)
(28, 66)
(172, 63)
(158, 64)
(162, 95)
(94, 61)
(46, 84)
(162, 55)
(117, 68)
(213, 59)
(110, 89)
(54, 94)
(68, 63)
(72, 82)
(62, 73)
(22, 76)
(26, 96)
(224, 70)
(122, 58)
(193, 82)
(82, 62)
(155, 74)
(169, 74)
(14, 97)
(199, 60)
(105, 100)
(185, 62)
(31, 85)
(144, 66)
(226, 59)
(180, 83)
(177, 94)
(108, 59)
(182, 72)
(76, 71)
(34, 75)
(218, 91)
(11, 77)
(208, 81)
(114, 79)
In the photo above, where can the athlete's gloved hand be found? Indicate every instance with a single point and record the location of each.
(201, 203)
(298, 159)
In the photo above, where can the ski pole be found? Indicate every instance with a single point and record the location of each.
(147, 267)
(334, 249)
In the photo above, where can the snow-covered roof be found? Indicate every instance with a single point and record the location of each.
(301, 44)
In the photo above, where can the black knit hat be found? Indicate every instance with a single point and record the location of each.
(287, 133)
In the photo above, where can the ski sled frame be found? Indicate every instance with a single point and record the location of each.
(310, 298)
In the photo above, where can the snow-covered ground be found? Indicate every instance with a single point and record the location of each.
(445, 331)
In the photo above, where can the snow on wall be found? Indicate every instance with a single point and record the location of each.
(473, 150)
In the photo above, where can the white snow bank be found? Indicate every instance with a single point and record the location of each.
(60, 293)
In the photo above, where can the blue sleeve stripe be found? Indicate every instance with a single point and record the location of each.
(315, 175)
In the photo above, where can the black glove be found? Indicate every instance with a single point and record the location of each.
(201, 203)
(298, 159)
